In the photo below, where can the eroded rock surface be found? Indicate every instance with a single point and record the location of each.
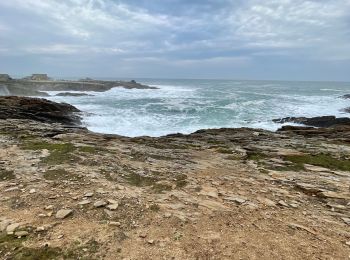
(214, 194)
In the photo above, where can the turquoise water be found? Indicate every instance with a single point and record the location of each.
(188, 105)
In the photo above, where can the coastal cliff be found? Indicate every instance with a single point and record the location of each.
(37, 84)
(244, 193)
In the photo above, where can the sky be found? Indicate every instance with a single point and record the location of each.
(228, 39)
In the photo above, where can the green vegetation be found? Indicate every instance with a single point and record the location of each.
(58, 174)
(13, 248)
(59, 152)
(6, 175)
(322, 160)
(139, 180)
(224, 150)
(256, 156)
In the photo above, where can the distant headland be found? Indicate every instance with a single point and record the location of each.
(37, 84)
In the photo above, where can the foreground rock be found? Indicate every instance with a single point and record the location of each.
(214, 194)
(42, 110)
(37, 84)
(321, 121)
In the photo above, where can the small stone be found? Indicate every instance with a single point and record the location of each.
(63, 213)
(114, 223)
(236, 199)
(89, 194)
(84, 202)
(266, 202)
(167, 215)
(112, 206)
(143, 235)
(20, 234)
(347, 243)
(346, 220)
(11, 189)
(282, 203)
(32, 191)
(99, 204)
(151, 241)
(60, 236)
(4, 224)
(40, 229)
(11, 228)
(50, 207)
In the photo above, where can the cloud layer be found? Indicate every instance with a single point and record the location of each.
(277, 39)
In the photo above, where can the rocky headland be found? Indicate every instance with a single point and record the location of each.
(37, 84)
(68, 193)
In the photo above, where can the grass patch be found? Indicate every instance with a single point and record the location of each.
(322, 160)
(181, 181)
(57, 174)
(6, 175)
(256, 156)
(13, 248)
(140, 180)
(224, 150)
(89, 149)
(59, 152)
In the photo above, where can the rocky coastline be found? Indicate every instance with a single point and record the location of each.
(37, 84)
(68, 193)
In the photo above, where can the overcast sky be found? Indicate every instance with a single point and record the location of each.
(237, 39)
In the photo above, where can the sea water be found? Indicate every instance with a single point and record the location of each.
(184, 106)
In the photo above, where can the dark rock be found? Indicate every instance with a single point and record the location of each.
(12, 107)
(67, 94)
(347, 96)
(321, 121)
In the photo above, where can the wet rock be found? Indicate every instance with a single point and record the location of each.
(321, 121)
(37, 109)
(63, 213)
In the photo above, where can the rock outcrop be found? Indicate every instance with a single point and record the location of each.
(37, 84)
(347, 96)
(12, 107)
(214, 194)
(321, 121)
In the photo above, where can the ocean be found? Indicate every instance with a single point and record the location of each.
(184, 106)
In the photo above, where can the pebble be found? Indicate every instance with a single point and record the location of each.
(63, 213)
(32, 191)
(84, 202)
(282, 203)
(151, 241)
(99, 203)
(112, 206)
(4, 224)
(89, 194)
(20, 234)
(11, 228)
(50, 207)
(114, 223)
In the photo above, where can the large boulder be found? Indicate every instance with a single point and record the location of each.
(13, 107)
(347, 96)
(320, 121)
(5, 77)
